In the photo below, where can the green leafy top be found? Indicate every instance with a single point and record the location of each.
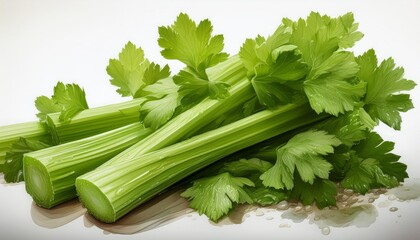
(69, 99)
(306, 59)
(318, 37)
(303, 152)
(192, 44)
(195, 46)
(383, 83)
(131, 72)
(372, 165)
(330, 87)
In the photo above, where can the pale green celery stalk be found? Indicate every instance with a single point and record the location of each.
(11, 133)
(192, 120)
(47, 195)
(111, 192)
(93, 121)
(50, 173)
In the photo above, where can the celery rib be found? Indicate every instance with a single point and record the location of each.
(191, 121)
(50, 173)
(11, 133)
(94, 121)
(126, 184)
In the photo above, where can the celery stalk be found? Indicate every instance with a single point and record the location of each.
(11, 133)
(192, 120)
(179, 128)
(50, 173)
(112, 191)
(94, 121)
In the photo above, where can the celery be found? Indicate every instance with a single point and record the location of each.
(56, 190)
(112, 191)
(11, 133)
(93, 121)
(195, 118)
(50, 173)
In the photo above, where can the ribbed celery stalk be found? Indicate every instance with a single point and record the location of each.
(11, 133)
(195, 118)
(50, 173)
(231, 71)
(94, 121)
(111, 192)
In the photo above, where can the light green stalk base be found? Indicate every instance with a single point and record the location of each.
(50, 173)
(111, 192)
(94, 121)
(11, 133)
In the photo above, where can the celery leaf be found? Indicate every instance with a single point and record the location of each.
(383, 83)
(375, 147)
(328, 88)
(12, 168)
(68, 99)
(318, 37)
(215, 196)
(350, 127)
(321, 191)
(131, 72)
(162, 103)
(72, 98)
(46, 106)
(192, 44)
(302, 152)
(372, 165)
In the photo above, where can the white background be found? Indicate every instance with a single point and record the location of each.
(42, 42)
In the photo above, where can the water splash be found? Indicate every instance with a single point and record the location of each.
(410, 190)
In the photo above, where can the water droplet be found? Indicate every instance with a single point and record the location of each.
(399, 215)
(371, 200)
(298, 208)
(316, 218)
(283, 205)
(259, 213)
(326, 230)
(269, 218)
(284, 225)
(392, 197)
(393, 209)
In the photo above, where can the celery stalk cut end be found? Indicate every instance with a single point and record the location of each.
(95, 201)
(37, 182)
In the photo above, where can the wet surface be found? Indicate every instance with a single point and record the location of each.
(57, 216)
(352, 209)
